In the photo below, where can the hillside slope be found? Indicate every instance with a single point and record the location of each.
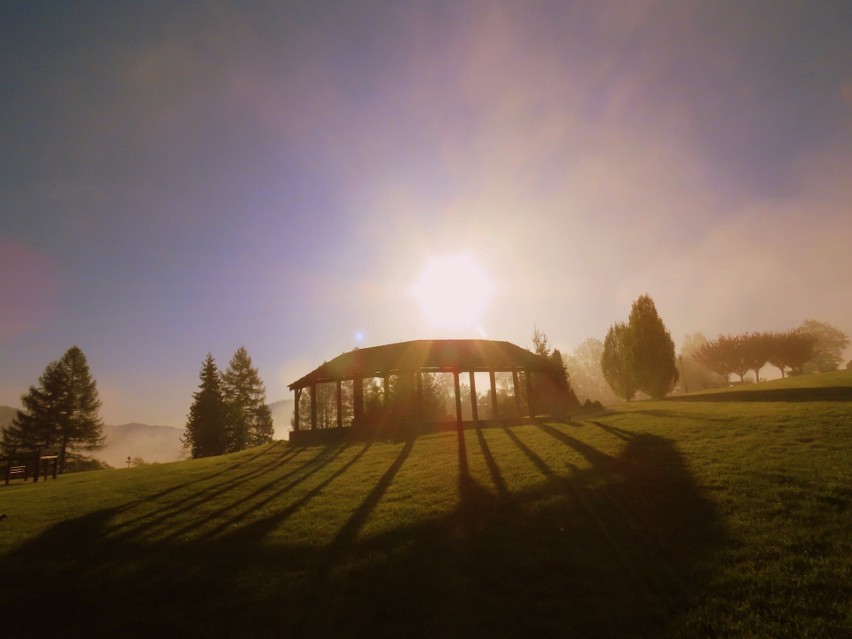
(672, 518)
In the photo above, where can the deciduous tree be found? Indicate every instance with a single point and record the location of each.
(695, 374)
(791, 350)
(830, 344)
(587, 378)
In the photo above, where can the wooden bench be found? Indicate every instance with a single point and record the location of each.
(21, 465)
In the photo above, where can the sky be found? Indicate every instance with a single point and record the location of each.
(185, 178)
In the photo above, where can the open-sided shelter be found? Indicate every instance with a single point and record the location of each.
(409, 360)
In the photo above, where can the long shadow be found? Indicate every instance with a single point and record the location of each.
(493, 469)
(526, 450)
(148, 520)
(316, 465)
(257, 530)
(567, 556)
(230, 469)
(344, 540)
(822, 394)
(655, 476)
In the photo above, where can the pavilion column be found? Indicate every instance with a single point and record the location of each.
(458, 398)
(493, 380)
(298, 392)
(313, 406)
(386, 389)
(339, 405)
(515, 388)
(358, 399)
(473, 408)
(530, 403)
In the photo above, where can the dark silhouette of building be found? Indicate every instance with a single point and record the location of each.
(540, 392)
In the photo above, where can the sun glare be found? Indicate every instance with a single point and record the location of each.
(453, 291)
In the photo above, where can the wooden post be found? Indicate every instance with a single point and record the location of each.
(298, 392)
(515, 389)
(339, 405)
(313, 406)
(473, 407)
(530, 403)
(458, 398)
(493, 381)
(358, 399)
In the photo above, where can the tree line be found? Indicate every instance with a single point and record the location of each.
(62, 411)
(229, 411)
(813, 347)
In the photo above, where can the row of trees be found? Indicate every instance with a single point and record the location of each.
(639, 355)
(60, 412)
(229, 411)
(739, 354)
(814, 347)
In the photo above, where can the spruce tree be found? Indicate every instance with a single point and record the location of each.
(249, 418)
(617, 363)
(653, 351)
(61, 412)
(206, 431)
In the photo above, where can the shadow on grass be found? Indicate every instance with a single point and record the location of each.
(605, 551)
(824, 394)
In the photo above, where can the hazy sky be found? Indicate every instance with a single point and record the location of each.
(178, 178)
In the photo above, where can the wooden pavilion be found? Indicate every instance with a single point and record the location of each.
(408, 361)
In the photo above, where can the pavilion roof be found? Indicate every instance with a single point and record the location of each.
(425, 355)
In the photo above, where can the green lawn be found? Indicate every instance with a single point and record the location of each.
(718, 515)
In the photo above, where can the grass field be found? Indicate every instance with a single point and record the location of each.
(718, 515)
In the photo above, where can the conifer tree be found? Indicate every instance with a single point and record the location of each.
(206, 431)
(616, 361)
(653, 351)
(61, 412)
(249, 418)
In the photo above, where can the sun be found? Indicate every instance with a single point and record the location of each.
(453, 291)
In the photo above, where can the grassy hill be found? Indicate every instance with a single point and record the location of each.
(724, 515)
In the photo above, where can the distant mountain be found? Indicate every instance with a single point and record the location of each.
(7, 414)
(156, 443)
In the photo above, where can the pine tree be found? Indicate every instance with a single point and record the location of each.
(250, 420)
(61, 412)
(616, 361)
(653, 351)
(207, 424)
